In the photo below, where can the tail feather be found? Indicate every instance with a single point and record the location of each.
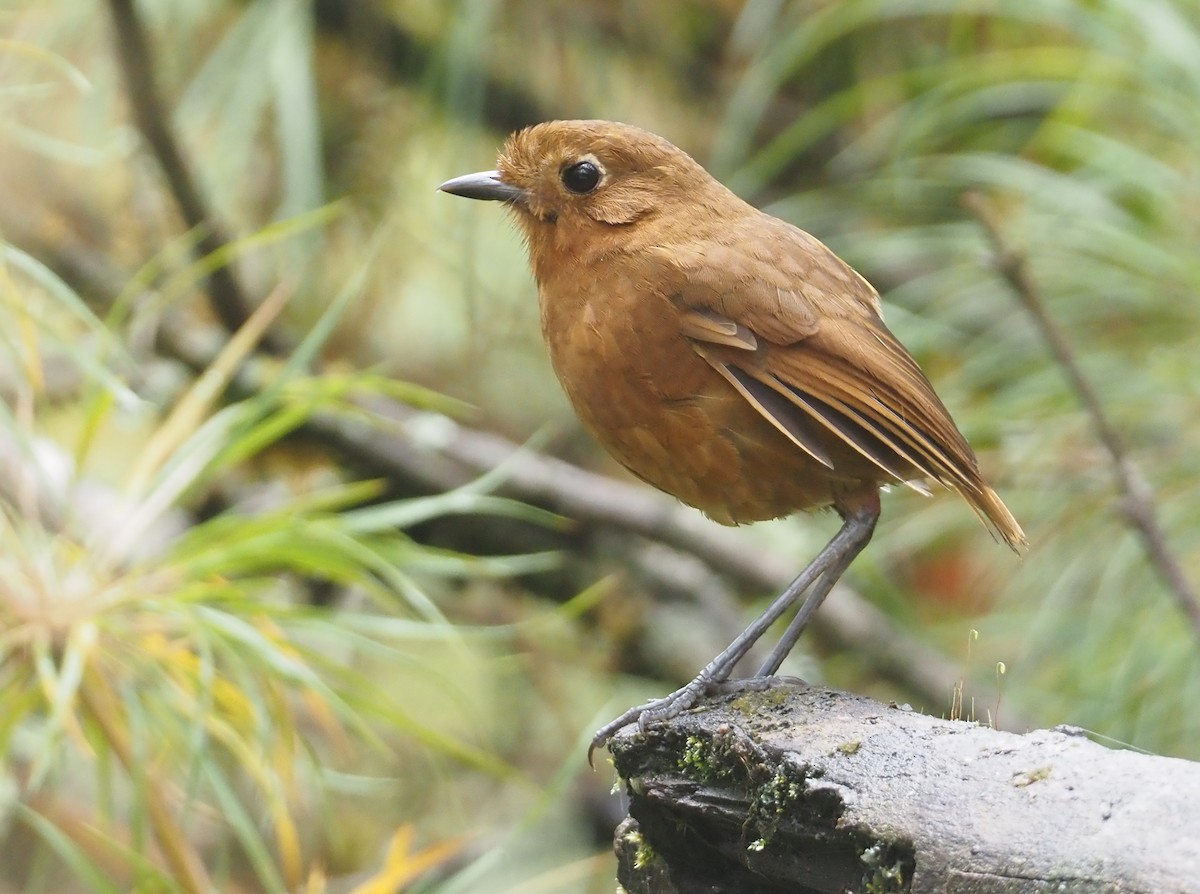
(992, 511)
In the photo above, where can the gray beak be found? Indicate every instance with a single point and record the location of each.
(484, 185)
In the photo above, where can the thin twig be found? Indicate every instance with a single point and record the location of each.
(133, 53)
(1138, 503)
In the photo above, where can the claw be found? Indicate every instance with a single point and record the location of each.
(652, 712)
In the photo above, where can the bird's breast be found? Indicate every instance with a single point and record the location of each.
(661, 410)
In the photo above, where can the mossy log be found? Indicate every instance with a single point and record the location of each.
(801, 789)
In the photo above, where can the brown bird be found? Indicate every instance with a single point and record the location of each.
(722, 355)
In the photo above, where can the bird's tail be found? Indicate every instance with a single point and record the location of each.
(992, 511)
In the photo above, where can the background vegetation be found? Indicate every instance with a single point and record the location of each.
(277, 613)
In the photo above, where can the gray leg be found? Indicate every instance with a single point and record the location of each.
(857, 526)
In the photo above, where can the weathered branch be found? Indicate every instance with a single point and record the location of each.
(807, 790)
(1138, 497)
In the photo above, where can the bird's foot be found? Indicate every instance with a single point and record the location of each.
(742, 685)
(653, 711)
(679, 701)
(754, 684)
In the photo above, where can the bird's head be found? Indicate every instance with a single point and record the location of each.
(578, 180)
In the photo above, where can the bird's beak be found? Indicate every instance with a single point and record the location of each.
(484, 185)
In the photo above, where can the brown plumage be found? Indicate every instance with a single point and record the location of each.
(720, 354)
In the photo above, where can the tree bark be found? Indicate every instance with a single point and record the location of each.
(800, 789)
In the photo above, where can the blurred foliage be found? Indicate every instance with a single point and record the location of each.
(184, 704)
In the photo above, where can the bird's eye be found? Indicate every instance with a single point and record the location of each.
(581, 177)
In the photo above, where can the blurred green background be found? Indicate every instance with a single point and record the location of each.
(240, 651)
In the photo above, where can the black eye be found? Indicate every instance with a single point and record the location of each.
(581, 177)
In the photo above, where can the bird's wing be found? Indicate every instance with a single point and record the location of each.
(766, 274)
(814, 357)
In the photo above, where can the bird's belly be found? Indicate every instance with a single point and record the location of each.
(740, 472)
(661, 411)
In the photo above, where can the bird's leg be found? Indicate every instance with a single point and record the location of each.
(861, 519)
(858, 523)
(792, 635)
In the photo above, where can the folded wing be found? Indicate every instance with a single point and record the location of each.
(817, 362)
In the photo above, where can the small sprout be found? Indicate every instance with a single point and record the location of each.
(1001, 670)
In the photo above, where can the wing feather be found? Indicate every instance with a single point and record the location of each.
(800, 337)
(707, 326)
(775, 408)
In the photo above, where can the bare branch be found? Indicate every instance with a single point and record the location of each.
(133, 53)
(1138, 498)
